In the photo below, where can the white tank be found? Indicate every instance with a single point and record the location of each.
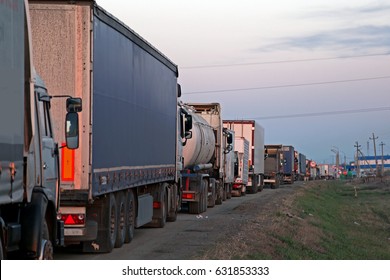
(200, 148)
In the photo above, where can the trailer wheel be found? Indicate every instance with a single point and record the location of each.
(109, 229)
(121, 215)
(47, 252)
(130, 217)
(162, 219)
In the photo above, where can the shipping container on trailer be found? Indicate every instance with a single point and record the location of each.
(125, 173)
(288, 164)
(254, 133)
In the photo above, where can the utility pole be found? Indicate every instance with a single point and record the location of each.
(376, 160)
(383, 163)
(357, 159)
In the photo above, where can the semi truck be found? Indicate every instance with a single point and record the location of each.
(126, 172)
(205, 182)
(29, 166)
(273, 161)
(288, 164)
(254, 133)
(241, 166)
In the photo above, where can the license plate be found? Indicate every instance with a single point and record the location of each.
(73, 232)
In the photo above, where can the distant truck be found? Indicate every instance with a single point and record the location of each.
(312, 171)
(326, 171)
(300, 166)
(273, 161)
(29, 165)
(126, 171)
(241, 166)
(288, 164)
(208, 171)
(254, 133)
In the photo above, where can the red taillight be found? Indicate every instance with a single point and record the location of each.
(156, 205)
(73, 219)
(188, 196)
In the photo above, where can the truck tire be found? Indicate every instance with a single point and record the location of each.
(110, 228)
(162, 219)
(172, 213)
(205, 195)
(121, 219)
(212, 198)
(243, 191)
(1, 250)
(130, 217)
(201, 205)
(47, 251)
(277, 182)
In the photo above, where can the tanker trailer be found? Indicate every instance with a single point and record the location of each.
(202, 175)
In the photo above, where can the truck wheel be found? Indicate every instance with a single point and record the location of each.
(121, 215)
(163, 209)
(47, 252)
(130, 217)
(172, 215)
(204, 199)
(110, 229)
(277, 183)
(1, 250)
(229, 192)
(212, 198)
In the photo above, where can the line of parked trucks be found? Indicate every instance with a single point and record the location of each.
(102, 144)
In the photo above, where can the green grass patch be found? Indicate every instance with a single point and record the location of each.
(353, 222)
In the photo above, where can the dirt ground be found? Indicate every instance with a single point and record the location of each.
(256, 236)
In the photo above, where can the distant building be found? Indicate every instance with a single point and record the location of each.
(368, 163)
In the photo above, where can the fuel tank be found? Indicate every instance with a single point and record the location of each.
(199, 149)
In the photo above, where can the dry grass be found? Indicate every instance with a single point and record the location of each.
(261, 236)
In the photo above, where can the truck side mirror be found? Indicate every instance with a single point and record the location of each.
(188, 123)
(74, 105)
(229, 138)
(178, 89)
(72, 130)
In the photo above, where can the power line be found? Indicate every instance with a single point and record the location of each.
(279, 61)
(286, 86)
(329, 113)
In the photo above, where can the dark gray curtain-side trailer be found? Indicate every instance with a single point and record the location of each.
(128, 124)
(134, 109)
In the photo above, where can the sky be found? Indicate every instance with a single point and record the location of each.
(314, 74)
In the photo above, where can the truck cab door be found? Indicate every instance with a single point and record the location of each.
(49, 152)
